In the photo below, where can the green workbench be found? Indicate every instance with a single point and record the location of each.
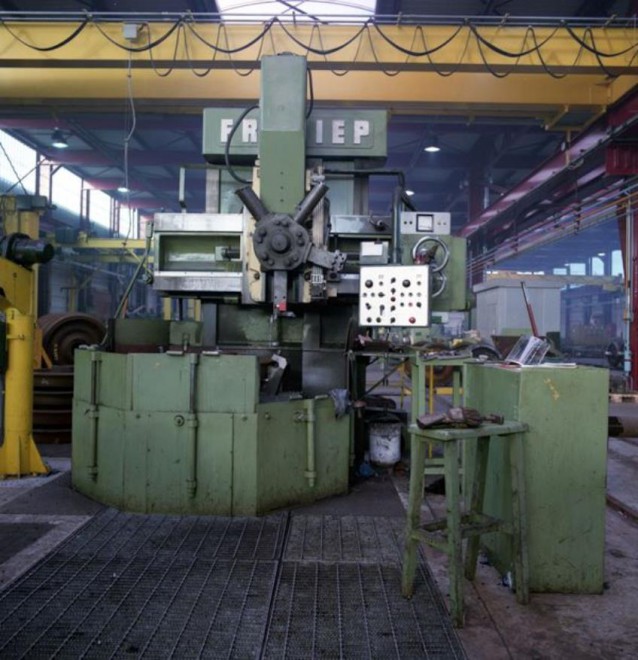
(565, 469)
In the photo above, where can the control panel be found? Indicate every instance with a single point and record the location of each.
(425, 223)
(394, 296)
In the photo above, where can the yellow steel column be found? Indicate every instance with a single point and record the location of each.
(18, 455)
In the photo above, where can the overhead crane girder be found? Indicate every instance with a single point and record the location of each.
(94, 64)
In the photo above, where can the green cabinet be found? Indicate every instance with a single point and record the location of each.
(565, 469)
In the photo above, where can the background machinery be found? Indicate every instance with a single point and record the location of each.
(19, 455)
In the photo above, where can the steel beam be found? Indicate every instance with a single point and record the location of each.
(91, 67)
(585, 153)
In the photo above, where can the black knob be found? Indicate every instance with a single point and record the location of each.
(406, 283)
(368, 283)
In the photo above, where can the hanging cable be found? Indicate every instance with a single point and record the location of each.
(506, 53)
(232, 51)
(328, 51)
(237, 123)
(456, 67)
(150, 53)
(423, 53)
(592, 49)
(127, 140)
(47, 49)
(311, 92)
(199, 74)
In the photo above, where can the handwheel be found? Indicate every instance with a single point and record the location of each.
(433, 251)
(438, 283)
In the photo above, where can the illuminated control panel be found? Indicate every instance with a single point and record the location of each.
(394, 296)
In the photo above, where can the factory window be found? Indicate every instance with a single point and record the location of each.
(597, 265)
(297, 10)
(67, 191)
(17, 163)
(577, 268)
(100, 208)
(617, 268)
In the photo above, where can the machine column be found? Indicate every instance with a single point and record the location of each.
(19, 455)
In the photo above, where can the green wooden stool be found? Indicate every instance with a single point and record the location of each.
(471, 524)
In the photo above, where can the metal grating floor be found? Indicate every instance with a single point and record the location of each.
(139, 586)
(355, 611)
(359, 539)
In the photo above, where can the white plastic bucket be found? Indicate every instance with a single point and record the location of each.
(385, 443)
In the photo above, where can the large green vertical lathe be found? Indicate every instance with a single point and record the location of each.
(236, 418)
(249, 411)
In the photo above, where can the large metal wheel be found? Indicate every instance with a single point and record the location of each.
(63, 333)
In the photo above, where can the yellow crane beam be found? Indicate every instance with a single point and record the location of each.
(402, 67)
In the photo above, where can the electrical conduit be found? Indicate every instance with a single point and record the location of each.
(192, 424)
(309, 416)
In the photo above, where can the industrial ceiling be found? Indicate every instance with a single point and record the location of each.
(494, 122)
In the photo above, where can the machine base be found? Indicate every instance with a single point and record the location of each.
(186, 434)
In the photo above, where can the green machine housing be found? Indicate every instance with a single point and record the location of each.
(248, 410)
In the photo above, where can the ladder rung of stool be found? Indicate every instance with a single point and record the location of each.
(447, 534)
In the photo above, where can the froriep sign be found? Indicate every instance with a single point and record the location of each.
(329, 134)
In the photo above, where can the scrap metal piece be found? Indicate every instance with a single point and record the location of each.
(458, 417)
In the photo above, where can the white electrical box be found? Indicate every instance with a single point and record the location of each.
(373, 252)
(425, 223)
(394, 296)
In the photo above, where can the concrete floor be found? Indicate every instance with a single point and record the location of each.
(47, 510)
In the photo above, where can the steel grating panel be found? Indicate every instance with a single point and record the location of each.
(212, 537)
(147, 586)
(356, 611)
(359, 539)
(16, 536)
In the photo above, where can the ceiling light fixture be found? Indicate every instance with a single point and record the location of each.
(122, 188)
(409, 193)
(432, 145)
(58, 140)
